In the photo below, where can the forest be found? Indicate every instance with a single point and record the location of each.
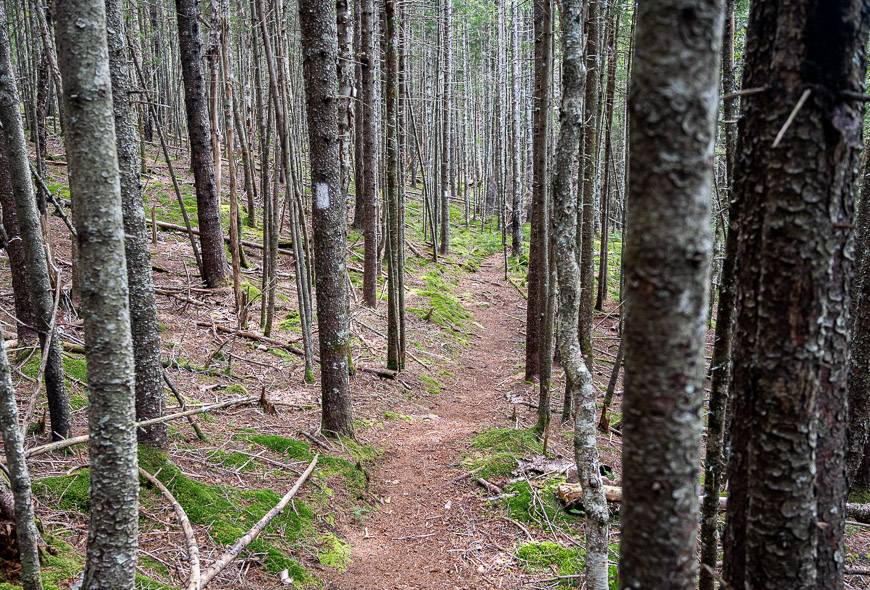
(442, 294)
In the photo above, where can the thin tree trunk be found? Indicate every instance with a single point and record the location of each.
(29, 225)
(446, 121)
(672, 133)
(91, 150)
(143, 313)
(201, 157)
(320, 50)
(16, 465)
(564, 237)
(538, 239)
(369, 191)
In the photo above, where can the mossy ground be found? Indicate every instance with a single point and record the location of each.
(494, 452)
(547, 556)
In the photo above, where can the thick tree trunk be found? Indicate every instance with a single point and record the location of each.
(95, 188)
(143, 313)
(793, 191)
(19, 478)
(39, 285)
(320, 50)
(25, 313)
(672, 133)
(538, 239)
(565, 239)
(199, 132)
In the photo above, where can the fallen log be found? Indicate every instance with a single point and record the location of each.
(189, 537)
(252, 336)
(233, 552)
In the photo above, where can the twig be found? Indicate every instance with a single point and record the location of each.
(791, 117)
(192, 547)
(183, 405)
(233, 552)
(77, 440)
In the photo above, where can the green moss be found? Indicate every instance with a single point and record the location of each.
(859, 495)
(495, 451)
(67, 492)
(74, 366)
(78, 401)
(230, 512)
(232, 459)
(546, 555)
(236, 389)
(432, 385)
(537, 505)
(291, 447)
(291, 323)
(442, 306)
(388, 415)
(251, 291)
(335, 553)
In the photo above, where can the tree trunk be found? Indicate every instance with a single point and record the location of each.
(345, 89)
(446, 119)
(199, 132)
(320, 50)
(720, 365)
(25, 313)
(27, 214)
(543, 14)
(19, 478)
(368, 192)
(517, 176)
(578, 377)
(672, 133)
(143, 313)
(793, 192)
(95, 188)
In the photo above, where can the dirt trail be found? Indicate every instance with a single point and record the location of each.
(432, 529)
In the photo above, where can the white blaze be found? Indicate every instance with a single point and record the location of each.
(321, 195)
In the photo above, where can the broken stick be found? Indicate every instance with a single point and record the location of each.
(233, 552)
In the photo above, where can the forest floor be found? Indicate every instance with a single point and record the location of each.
(444, 487)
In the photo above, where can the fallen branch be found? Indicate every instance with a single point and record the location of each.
(571, 494)
(252, 336)
(192, 547)
(180, 228)
(382, 373)
(77, 440)
(233, 552)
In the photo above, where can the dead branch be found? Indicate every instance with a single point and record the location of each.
(192, 547)
(233, 552)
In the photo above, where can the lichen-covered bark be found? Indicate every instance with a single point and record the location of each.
(565, 239)
(517, 178)
(29, 225)
(446, 126)
(143, 313)
(346, 62)
(199, 131)
(25, 327)
(95, 188)
(319, 50)
(19, 478)
(673, 107)
(795, 212)
(535, 308)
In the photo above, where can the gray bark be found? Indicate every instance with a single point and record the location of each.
(446, 119)
(199, 131)
(579, 378)
(31, 236)
(368, 192)
(320, 50)
(143, 313)
(19, 478)
(91, 151)
(672, 134)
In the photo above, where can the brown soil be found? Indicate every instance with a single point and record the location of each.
(432, 529)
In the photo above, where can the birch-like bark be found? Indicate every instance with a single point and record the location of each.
(672, 134)
(91, 150)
